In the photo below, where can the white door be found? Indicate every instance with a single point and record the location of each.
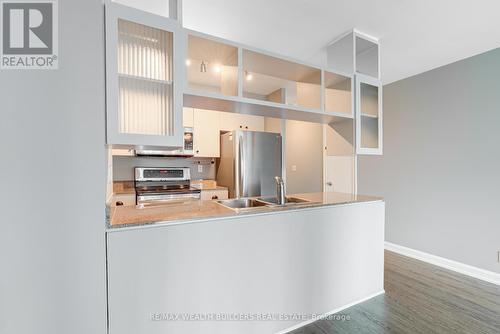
(206, 134)
(339, 174)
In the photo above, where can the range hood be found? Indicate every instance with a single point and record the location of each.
(164, 153)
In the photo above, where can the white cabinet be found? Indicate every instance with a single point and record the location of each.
(369, 126)
(206, 133)
(188, 117)
(122, 200)
(230, 122)
(144, 54)
(213, 194)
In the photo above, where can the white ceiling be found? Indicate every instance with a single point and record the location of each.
(415, 35)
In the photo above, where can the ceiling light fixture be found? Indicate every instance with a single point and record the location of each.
(188, 62)
(248, 76)
(217, 68)
(203, 67)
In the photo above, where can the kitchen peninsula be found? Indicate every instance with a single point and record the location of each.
(186, 106)
(203, 259)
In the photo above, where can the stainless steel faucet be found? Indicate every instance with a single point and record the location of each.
(280, 190)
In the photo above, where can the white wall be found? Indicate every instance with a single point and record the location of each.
(123, 166)
(52, 250)
(440, 170)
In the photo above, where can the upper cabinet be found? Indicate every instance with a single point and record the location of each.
(144, 78)
(212, 66)
(188, 117)
(206, 133)
(154, 68)
(368, 115)
(232, 121)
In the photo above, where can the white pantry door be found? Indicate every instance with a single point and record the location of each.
(339, 174)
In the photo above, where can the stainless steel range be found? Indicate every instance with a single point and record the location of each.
(163, 185)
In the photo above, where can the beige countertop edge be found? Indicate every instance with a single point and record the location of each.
(208, 187)
(125, 192)
(232, 215)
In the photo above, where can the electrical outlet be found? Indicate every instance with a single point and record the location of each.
(200, 168)
(294, 168)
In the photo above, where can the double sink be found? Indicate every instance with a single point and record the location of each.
(243, 204)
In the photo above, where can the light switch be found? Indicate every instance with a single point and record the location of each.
(200, 168)
(294, 168)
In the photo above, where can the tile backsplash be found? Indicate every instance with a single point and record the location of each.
(123, 166)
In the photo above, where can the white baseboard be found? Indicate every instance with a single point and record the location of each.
(482, 274)
(337, 310)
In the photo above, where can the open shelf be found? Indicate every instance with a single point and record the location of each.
(366, 57)
(214, 101)
(212, 66)
(354, 52)
(338, 94)
(271, 79)
(140, 78)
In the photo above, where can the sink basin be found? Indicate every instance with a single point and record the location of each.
(242, 203)
(288, 200)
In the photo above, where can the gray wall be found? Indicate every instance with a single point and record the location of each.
(123, 166)
(52, 247)
(304, 149)
(440, 170)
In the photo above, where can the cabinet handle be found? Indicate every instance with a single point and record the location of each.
(119, 203)
(215, 197)
(197, 151)
(246, 127)
(241, 126)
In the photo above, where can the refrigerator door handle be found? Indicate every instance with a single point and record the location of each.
(241, 168)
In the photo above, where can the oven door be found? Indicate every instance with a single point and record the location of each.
(162, 199)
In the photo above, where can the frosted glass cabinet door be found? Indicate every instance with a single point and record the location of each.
(368, 115)
(143, 78)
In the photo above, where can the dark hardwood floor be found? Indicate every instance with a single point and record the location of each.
(420, 298)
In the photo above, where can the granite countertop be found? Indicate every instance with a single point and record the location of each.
(192, 211)
(206, 185)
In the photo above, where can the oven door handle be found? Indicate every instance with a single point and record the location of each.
(174, 198)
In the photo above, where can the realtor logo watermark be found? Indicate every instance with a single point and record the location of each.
(29, 35)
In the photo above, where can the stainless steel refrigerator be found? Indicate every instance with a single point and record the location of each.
(249, 162)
